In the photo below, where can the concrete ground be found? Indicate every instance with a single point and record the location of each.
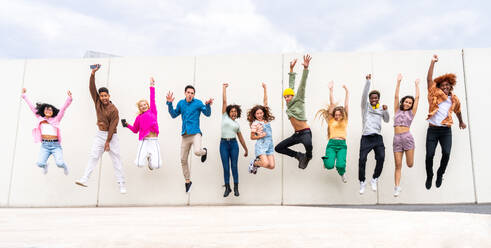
(240, 226)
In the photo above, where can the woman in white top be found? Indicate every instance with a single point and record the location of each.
(229, 149)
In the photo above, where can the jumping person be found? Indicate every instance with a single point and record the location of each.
(229, 149)
(337, 121)
(442, 102)
(260, 118)
(146, 124)
(47, 131)
(404, 112)
(106, 138)
(372, 115)
(190, 110)
(296, 114)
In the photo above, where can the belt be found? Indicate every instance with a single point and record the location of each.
(228, 139)
(303, 130)
(55, 140)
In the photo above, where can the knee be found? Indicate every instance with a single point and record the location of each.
(271, 166)
(445, 153)
(410, 164)
(328, 163)
(277, 148)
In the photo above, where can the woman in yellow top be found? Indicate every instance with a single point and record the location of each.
(337, 120)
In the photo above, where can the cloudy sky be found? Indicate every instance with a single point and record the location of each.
(66, 29)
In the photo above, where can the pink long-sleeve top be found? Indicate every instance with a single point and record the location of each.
(146, 122)
(54, 121)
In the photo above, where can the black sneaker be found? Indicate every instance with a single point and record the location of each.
(428, 181)
(188, 186)
(203, 158)
(303, 161)
(439, 179)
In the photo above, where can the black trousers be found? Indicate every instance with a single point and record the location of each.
(368, 143)
(433, 136)
(304, 137)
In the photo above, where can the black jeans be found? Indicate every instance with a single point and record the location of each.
(433, 136)
(369, 142)
(304, 137)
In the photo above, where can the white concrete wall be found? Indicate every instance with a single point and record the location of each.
(127, 79)
(476, 64)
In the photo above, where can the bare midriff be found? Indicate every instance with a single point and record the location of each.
(401, 129)
(298, 125)
(152, 135)
(338, 138)
(49, 137)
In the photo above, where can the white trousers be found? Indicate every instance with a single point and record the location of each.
(98, 150)
(148, 153)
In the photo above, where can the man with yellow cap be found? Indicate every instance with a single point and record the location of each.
(295, 105)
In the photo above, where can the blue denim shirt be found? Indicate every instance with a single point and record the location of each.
(190, 112)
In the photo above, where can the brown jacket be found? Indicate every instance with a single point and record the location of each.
(107, 115)
(435, 97)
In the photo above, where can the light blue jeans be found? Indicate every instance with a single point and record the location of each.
(48, 148)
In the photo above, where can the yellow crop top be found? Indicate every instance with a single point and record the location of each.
(337, 129)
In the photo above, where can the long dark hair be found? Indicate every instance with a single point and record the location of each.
(268, 116)
(401, 107)
(41, 106)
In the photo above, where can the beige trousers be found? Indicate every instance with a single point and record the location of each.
(186, 142)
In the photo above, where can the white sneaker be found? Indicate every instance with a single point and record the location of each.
(397, 191)
(81, 182)
(122, 188)
(65, 170)
(373, 182)
(45, 169)
(362, 187)
(251, 166)
(343, 177)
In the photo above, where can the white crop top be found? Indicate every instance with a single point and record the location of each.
(48, 129)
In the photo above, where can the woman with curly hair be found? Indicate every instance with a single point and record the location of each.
(404, 110)
(260, 118)
(337, 121)
(229, 149)
(47, 131)
(146, 124)
(442, 102)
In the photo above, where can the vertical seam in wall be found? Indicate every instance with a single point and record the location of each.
(15, 139)
(469, 126)
(282, 129)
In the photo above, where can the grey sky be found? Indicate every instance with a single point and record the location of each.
(66, 29)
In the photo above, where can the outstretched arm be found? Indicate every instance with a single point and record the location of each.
(153, 106)
(206, 108)
(291, 78)
(173, 112)
(29, 103)
(416, 97)
(135, 127)
(224, 96)
(92, 87)
(65, 106)
(396, 95)
(429, 77)
(364, 95)
(346, 99)
(265, 96)
(305, 74)
(332, 104)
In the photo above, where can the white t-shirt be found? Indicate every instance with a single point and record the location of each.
(48, 129)
(442, 112)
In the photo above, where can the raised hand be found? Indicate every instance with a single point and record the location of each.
(170, 97)
(345, 88)
(152, 81)
(225, 85)
(263, 85)
(292, 64)
(435, 58)
(98, 66)
(330, 85)
(384, 107)
(69, 93)
(306, 61)
(399, 77)
(416, 82)
(24, 90)
(210, 101)
(368, 77)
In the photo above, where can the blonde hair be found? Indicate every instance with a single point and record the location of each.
(138, 105)
(324, 113)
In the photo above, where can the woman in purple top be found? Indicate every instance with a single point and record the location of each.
(405, 110)
(146, 125)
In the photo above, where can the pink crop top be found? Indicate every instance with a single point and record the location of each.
(403, 118)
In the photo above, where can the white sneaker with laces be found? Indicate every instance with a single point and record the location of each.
(362, 187)
(122, 188)
(343, 177)
(373, 182)
(397, 191)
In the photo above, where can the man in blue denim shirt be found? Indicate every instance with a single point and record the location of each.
(190, 110)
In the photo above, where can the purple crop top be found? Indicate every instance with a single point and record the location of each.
(403, 118)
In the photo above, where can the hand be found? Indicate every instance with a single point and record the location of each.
(368, 77)
(69, 94)
(306, 61)
(416, 82)
(399, 78)
(24, 90)
(210, 101)
(106, 146)
(152, 81)
(384, 107)
(330, 85)
(225, 85)
(462, 125)
(261, 135)
(124, 123)
(170, 97)
(292, 64)
(246, 153)
(96, 69)
(435, 58)
(345, 88)
(263, 85)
